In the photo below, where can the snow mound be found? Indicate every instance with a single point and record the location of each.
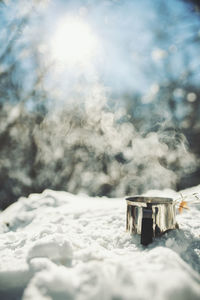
(59, 246)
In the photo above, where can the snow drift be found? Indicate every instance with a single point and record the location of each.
(59, 246)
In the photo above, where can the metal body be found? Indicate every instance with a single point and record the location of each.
(150, 216)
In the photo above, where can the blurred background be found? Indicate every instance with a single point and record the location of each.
(98, 97)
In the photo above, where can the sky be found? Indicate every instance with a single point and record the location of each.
(127, 32)
(125, 45)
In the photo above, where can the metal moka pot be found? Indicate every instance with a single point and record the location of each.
(150, 216)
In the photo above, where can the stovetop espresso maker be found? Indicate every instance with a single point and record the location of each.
(150, 216)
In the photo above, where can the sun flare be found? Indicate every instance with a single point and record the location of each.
(73, 42)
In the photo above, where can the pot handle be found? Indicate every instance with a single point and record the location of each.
(147, 227)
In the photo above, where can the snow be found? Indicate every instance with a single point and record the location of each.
(58, 246)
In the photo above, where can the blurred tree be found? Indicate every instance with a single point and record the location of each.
(21, 106)
(175, 95)
(195, 4)
(93, 147)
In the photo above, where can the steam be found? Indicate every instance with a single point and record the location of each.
(101, 152)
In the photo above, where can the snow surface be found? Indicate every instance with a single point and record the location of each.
(56, 245)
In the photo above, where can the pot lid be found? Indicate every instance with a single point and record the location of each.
(149, 199)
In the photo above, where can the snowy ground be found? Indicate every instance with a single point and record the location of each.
(59, 246)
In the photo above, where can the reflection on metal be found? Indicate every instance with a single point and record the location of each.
(150, 216)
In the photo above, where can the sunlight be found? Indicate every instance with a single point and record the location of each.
(73, 42)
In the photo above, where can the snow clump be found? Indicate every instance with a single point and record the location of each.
(58, 246)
